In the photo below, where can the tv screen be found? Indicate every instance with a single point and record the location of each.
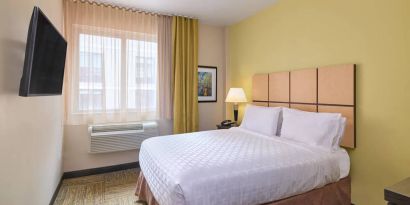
(44, 61)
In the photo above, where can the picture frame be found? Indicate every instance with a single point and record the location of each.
(207, 84)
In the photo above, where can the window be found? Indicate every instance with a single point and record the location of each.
(142, 75)
(100, 65)
(117, 73)
(112, 70)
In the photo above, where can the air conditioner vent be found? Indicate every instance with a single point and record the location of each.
(117, 127)
(120, 137)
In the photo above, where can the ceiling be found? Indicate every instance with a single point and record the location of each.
(214, 12)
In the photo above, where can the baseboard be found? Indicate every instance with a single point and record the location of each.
(93, 171)
(100, 170)
(53, 199)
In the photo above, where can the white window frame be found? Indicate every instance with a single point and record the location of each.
(123, 36)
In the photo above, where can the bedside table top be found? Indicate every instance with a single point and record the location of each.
(398, 193)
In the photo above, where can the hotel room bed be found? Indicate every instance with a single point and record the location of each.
(237, 166)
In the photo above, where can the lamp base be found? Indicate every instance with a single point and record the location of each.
(235, 112)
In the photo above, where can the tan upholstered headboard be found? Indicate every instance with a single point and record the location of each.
(323, 89)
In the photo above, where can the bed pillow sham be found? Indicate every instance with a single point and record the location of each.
(263, 120)
(341, 131)
(317, 129)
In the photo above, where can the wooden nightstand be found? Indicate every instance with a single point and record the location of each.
(398, 194)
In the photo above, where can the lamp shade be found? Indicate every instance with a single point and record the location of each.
(236, 95)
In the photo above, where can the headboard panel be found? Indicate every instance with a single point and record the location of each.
(265, 104)
(337, 78)
(260, 86)
(272, 104)
(348, 112)
(323, 89)
(303, 86)
(304, 107)
(279, 87)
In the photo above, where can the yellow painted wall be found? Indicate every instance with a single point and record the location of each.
(374, 34)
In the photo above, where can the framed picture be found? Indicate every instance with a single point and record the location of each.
(207, 82)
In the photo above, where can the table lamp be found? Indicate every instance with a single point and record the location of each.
(236, 95)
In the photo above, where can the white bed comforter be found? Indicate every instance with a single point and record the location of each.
(234, 166)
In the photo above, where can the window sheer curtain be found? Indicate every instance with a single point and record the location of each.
(118, 64)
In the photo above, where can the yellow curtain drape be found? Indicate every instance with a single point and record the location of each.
(185, 74)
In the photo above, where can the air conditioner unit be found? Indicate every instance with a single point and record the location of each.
(120, 137)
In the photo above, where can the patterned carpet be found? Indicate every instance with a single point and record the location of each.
(115, 188)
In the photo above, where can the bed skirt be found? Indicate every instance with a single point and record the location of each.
(337, 193)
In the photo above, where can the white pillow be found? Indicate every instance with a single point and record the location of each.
(263, 120)
(318, 129)
(338, 139)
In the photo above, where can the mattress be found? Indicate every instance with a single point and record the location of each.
(234, 166)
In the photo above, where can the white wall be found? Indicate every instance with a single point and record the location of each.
(76, 156)
(77, 143)
(211, 52)
(30, 128)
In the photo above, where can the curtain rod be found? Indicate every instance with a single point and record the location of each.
(136, 10)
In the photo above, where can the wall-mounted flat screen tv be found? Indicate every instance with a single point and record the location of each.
(44, 61)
